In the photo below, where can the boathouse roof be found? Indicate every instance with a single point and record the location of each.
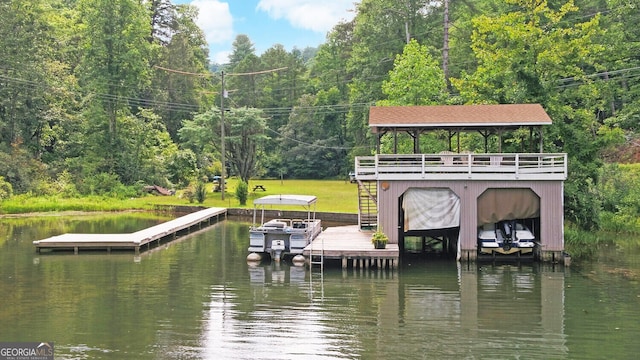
(461, 117)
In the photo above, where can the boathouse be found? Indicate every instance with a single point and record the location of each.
(449, 195)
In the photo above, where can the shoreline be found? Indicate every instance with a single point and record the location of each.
(239, 212)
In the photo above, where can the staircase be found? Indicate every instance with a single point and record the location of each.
(367, 204)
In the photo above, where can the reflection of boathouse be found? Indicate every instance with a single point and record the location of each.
(447, 196)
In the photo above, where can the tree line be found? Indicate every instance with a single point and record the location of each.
(103, 96)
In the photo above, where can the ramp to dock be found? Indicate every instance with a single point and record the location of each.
(133, 241)
(353, 247)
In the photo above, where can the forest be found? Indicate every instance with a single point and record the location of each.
(105, 96)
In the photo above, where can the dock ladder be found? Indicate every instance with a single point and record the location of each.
(367, 204)
(316, 256)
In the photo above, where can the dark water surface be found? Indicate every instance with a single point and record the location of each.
(196, 298)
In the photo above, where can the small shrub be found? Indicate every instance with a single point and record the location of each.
(379, 237)
(99, 184)
(242, 192)
(6, 190)
(189, 193)
(200, 192)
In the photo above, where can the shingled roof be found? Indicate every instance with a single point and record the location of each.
(457, 116)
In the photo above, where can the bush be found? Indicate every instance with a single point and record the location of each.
(182, 167)
(105, 184)
(189, 193)
(242, 192)
(6, 190)
(580, 244)
(200, 192)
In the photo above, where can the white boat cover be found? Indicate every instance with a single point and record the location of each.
(302, 200)
(428, 209)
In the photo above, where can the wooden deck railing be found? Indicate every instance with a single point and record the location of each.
(453, 166)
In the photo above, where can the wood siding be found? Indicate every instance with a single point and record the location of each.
(551, 207)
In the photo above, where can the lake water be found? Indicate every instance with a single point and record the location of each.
(196, 298)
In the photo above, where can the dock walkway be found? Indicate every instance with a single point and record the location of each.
(133, 241)
(353, 247)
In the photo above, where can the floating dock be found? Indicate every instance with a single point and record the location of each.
(352, 247)
(133, 241)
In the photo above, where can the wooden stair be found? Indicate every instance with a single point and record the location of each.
(367, 205)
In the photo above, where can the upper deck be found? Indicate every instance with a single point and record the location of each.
(453, 166)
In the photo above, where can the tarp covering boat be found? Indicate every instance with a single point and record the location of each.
(429, 209)
(496, 205)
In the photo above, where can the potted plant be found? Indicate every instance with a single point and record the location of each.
(379, 239)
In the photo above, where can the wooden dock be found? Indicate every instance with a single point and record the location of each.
(133, 241)
(353, 247)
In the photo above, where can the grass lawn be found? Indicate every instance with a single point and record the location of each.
(333, 196)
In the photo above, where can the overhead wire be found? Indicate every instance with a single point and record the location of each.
(273, 111)
(317, 145)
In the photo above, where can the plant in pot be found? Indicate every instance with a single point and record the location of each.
(379, 239)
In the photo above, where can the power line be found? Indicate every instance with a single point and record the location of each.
(183, 72)
(317, 145)
(257, 72)
(212, 74)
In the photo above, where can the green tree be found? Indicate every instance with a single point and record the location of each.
(529, 55)
(329, 66)
(30, 74)
(621, 65)
(416, 79)
(242, 48)
(312, 140)
(279, 87)
(114, 69)
(177, 90)
(244, 137)
(146, 149)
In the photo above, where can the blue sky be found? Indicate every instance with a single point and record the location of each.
(292, 23)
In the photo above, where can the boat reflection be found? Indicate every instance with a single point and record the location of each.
(276, 273)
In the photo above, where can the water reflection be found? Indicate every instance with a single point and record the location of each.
(447, 310)
(276, 273)
(515, 309)
(196, 298)
(275, 321)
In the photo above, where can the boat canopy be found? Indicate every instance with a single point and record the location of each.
(303, 200)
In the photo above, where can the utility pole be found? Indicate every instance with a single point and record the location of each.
(223, 155)
(445, 46)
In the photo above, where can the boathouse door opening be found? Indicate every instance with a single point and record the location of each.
(500, 205)
(429, 222)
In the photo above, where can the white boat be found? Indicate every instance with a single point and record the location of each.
(282, 236)
(505, 237)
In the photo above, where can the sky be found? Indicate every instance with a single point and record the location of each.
(291, 23)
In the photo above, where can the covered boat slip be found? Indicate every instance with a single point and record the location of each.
(133, 241)
(451, 196)
(467, 206)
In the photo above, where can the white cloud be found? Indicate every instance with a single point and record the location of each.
(221, 57)
(214, 18)
(315, 15)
